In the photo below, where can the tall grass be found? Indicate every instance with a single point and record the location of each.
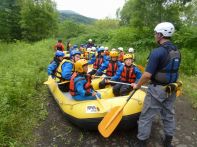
(23, 70)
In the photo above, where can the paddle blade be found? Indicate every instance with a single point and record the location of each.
(141, 68)
(110, 121)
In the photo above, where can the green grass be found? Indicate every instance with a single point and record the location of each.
(23, 70)
(189, 88)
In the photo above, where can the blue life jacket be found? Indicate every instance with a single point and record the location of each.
(169, 72)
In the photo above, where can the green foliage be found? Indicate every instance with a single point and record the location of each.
(106, 24)
(190, 14)
(131, 37)
(100, 31)
(68, 29)
(189, 88)
(188, 62)
(23, 70)
(38, 19)
(186, 37)
(72, 16)
(123, 37)
(9, 20)
(29, 20)
(148, 13)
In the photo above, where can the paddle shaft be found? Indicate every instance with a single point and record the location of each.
(63, 82)
(145, 87)
(102, 77)
(99, 101)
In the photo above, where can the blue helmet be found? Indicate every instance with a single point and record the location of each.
(59, 54)
(75, 46)
(100, 49)
(74, 52)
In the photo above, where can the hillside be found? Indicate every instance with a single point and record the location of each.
(71, 15)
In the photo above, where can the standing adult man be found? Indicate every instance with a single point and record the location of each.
(59, 46)
(90, 43)
(162, 69)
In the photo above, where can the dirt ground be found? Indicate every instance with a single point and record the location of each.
(56, 131)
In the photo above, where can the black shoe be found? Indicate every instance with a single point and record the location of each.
(167, 141)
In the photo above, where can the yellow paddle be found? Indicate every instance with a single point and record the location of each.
(141, 68)
(112, 119)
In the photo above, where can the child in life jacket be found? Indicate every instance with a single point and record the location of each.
(121, 54)
(131, 51)
(128, 73)
(52, 67)
(107, 51)
(87, 54)
(66, 69)
(80, 83)
(111, 66)
(97, 60)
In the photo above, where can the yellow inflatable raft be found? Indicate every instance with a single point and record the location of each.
(88, 114)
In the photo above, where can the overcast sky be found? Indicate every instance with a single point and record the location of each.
(91, 8)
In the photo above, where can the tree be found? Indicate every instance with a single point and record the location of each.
(38, 19)
(140, 13)
(9, 20)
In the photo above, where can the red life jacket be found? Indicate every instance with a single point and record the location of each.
(98, 62)
(112, 68)
(59, 46)
(87, 85)
(128, 75)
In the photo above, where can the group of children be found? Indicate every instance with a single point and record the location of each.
(117, 66)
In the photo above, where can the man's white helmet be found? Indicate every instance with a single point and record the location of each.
(106, 48)
(120, 49)
(165, 28)
(89, 40)
(131, 50)
(113, 49)
(93, 48)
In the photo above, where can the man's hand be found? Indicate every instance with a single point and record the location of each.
(94, 94)
(135, 86)
(93, 76)
(107, 81)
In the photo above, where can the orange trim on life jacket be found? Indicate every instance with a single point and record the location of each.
(87, 85)
(98, 62)
(128, 75)
(112, 68)
(121, 57)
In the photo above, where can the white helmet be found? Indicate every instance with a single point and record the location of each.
(106, 48)
(165, 28)
(88, 49)
(120, 49)
(93, 48)
(131, 50)
(113, 49)
(89, 40)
